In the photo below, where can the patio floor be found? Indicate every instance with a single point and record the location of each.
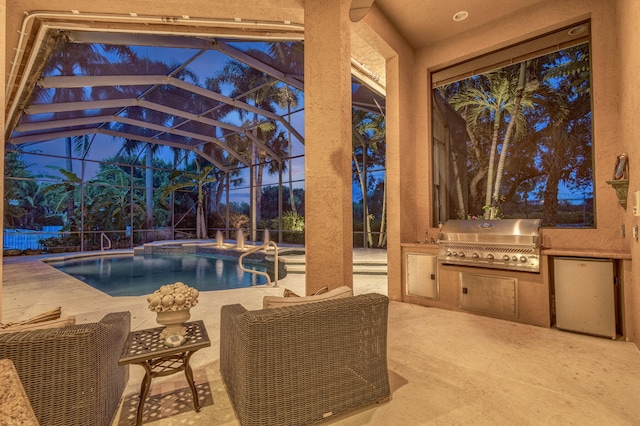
(446, 368)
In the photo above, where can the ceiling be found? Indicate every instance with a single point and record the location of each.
(203, 28)
(426, 22)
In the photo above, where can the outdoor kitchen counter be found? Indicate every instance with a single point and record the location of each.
(421, 245)
(595, 253)
(532, 292)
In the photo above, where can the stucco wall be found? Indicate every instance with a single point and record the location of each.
(607, 143)
(401, 115)
(628, 61)
(613, 129)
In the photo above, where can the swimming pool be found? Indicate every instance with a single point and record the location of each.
(140, 275)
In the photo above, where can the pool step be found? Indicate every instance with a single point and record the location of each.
(295, 264)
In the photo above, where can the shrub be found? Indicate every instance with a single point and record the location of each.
(238, 220)
(292, 221)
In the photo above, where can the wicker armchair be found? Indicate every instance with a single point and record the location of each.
(71, 374)
(301, 364)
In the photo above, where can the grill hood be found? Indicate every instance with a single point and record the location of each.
(502, 244)
(502, 231)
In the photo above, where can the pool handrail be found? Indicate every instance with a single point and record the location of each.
(264, 274)
(103, 237)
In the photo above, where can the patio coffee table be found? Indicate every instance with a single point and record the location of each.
(147, 348)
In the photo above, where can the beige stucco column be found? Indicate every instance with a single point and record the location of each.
(402, 161)
(328, 209)
(405, 159)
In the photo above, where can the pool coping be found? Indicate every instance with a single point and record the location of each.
(227, 251)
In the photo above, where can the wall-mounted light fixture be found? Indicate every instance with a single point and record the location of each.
(577, 30)
(359, 8)
(620, 181)
(460, 16)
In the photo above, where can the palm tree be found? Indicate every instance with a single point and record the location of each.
(112, 200)
(292, 202)
(70, 59)
(495, 98)
(516, 125)
(368, 135)
(261, 91)
(290, 58)
(536, 117)
(65, 190)
(237, 143)
(454, 127)
(485, 104)
(198, 180)
(32, 200)
(144, 114)
(16, 189)
(565, 144)
(557, 167)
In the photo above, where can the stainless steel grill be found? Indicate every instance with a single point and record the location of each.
(500, 244)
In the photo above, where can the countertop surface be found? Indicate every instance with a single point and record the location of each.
(574, 252)
(417, 244)
(586, 252)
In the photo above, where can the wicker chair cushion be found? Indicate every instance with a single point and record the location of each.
(289, 293)
(270, 302)
(57, 323)
(53, 314)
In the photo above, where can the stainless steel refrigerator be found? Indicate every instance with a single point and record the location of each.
(585, 295)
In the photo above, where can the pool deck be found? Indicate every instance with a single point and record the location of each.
(446, 367)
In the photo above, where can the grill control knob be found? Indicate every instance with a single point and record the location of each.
(461, 254)
(506, 258)
(514, 258)
(490, 256)
(475, 255)
(523, 259)
(455, 254)
(448, 253)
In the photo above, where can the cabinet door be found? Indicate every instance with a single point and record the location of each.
(422, 275)
(585, 295)
(489, 293)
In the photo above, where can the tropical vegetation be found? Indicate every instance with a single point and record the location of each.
(139, 192)
(526, 135)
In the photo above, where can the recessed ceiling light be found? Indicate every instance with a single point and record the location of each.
(460, 16)
(577, 30)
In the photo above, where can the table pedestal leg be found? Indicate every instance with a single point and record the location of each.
(189, 375)
(144, 391)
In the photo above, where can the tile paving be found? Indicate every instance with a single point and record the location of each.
(446, 368)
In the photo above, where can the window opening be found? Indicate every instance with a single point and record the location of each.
(516, 141)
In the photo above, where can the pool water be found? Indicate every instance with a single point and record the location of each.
(141, 275)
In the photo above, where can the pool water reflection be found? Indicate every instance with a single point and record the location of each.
(139, 275)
